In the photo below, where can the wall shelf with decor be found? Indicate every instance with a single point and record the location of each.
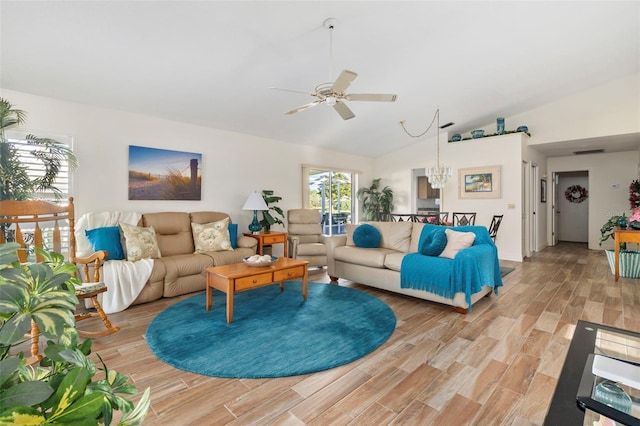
(467, 138)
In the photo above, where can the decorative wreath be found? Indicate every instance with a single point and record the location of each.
(575, 194)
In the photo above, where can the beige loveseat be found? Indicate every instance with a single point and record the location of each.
(380, 267)
(179, 270)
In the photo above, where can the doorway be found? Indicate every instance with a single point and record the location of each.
(571, 207)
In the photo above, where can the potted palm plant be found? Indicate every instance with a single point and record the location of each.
(15, 181)
(377, 202)
(63, 388)
(275, 214)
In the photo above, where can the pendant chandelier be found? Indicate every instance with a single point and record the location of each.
(438, 175)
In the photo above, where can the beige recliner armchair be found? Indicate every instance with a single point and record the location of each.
(306, 241)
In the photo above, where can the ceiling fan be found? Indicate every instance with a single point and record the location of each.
(334, 94)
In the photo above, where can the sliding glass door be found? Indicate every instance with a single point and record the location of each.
(331, 193)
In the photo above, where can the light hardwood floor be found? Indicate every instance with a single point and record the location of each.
(496, 365)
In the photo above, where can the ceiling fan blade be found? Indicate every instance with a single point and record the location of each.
(343, 81)
(372, 97)
(293, 90)
(343, 110)
(303, 107)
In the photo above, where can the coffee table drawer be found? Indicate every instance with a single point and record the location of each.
(253, 281)
(287, 274)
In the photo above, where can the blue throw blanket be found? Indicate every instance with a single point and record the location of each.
(470, 270)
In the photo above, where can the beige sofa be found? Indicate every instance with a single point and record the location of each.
(179, 270)
(380, 267)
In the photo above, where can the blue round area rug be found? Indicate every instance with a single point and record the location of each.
(273, 333)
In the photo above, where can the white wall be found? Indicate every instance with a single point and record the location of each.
(233, 164)
(610, 109)
(609, 177)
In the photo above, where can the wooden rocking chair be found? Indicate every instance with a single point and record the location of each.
(38, 223)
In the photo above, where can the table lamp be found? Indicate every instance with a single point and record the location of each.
(255, 202)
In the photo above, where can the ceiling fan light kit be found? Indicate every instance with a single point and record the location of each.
(334, 94)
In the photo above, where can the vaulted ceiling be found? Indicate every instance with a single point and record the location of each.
(211, 63)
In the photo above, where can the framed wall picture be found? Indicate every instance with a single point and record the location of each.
(161, 174)
(479, 182)
(543, 190)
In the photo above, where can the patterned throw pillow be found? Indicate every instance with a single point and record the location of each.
(366, 236)
(140, 242)
(212, 236)
(457, 241)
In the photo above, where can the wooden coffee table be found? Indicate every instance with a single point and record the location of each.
(237, 277)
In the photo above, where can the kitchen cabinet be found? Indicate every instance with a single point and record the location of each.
(425, 190)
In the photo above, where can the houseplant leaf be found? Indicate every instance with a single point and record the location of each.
(25, 394)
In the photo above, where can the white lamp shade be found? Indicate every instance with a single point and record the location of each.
(255, 202)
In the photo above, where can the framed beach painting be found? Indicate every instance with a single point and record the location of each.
(162, 174)
(479, 182)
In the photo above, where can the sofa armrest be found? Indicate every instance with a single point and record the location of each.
(247, 242)
(478, 266)
(331, 242)
(294, 240)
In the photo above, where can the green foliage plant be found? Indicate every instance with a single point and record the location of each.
(275, 214)
(15, 182)
(607, 230)
(63, 388)
(376, 202)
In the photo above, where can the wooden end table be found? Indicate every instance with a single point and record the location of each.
(237, 277)
(268, 238)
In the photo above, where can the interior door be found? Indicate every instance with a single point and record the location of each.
(526, 209)
(554, 209)
(533, 203)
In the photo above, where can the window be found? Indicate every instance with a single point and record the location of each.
(28, 157)
(35, 167)
(331, 193)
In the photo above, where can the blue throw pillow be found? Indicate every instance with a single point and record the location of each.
(434, 243)
(233, 235)
(366, 236)
(108, 239)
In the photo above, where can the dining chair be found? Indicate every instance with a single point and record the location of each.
(444, 217)
(464, 218)
(495, 224)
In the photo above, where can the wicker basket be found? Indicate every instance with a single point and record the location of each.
(629, 263)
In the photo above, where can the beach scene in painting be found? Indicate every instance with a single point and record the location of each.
(478, 182)
(161, 174)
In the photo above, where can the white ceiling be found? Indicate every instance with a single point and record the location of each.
(211, 63)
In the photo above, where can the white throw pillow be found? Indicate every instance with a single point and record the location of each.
(457, 241)
(140, 242)
(212, 236)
